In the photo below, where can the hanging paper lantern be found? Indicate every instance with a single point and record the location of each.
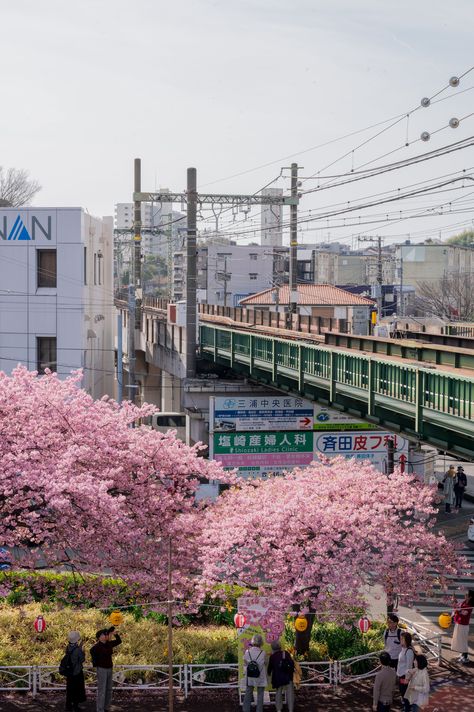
(40, 624)
(239, 620)
(444, 620)
(301, 624)
(116, 618)
(364, 624)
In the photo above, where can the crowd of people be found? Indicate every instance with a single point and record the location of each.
(400, 666)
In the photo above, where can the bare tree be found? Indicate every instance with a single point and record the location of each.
(16, 187)
(450, 297)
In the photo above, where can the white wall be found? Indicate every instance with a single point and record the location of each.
(28, 312)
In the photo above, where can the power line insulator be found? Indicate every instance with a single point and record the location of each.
(454, 122)
(425, 136)
(425, 102)
(454, 82)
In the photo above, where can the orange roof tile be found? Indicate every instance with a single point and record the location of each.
(310, 295)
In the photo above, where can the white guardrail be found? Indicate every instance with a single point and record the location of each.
(211, 676)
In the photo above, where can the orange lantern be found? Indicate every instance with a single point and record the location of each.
(301, 624)
(445, 620)
(116, 618)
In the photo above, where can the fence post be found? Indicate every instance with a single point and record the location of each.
(185, 670)
(34, 681)
(440, 649)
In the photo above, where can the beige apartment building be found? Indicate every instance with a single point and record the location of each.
(430, 263)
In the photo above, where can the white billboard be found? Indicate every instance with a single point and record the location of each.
(260, 412)
(370, 446)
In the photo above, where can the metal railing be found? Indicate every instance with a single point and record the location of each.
(211, 676)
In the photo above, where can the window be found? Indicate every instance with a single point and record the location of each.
(46, 268)
(253, 256)
(46, 353)
(253, 275)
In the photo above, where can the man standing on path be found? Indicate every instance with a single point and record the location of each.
(392, 639)
(101, 655)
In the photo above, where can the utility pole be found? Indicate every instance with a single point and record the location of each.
(401, 305)
(191, 302)
(378, 240)
(134, 289)
(293, 306)
(234, 201)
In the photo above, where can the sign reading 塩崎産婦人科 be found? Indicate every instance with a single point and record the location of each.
(262, 454)
(271, 411)
(371, 446)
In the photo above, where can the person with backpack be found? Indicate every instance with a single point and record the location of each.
(460, 484)
(392, 639)
(281, 668)
(405, 664)
(101, 655)
(255, 673)
(72, 668)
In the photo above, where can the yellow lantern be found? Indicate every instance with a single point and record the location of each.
(444, 620)
(301, 624)
(116, 618)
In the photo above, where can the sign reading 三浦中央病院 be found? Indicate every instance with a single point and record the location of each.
(370, 446)
(332, 419)
(261, 454)
(263, 412)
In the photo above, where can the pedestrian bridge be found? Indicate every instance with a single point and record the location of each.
(431, 404)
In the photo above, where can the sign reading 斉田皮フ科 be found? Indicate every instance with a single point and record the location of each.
(371, 446)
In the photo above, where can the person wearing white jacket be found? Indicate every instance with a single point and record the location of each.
(418, 690)
(255, 654)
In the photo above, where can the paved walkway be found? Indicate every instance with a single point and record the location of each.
(452, 691)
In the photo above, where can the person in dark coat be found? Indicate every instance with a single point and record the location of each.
(101, 655)
(460, 484)
(75, 686)
(281, 668)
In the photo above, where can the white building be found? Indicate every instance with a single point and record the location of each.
(56, 293)
(225, 273)
(168, 223)
(271, 220)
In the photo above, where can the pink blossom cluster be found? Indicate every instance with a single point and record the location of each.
(80, 486)
(320, 535)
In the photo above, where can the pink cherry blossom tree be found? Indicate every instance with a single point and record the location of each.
(80, 486)
(320, 535)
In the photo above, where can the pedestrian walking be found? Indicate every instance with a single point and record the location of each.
(448, 488)
(462, 618)
(384, 684)
(255, 673)
(392, 639)
(460, 484)
(74, 660)
(281, 668)
(392, 597)
(418, 690)
(405, 663)
(101, 655)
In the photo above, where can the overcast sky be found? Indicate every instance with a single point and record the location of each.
(227, 85)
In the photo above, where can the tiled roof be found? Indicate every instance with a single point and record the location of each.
(310, 295)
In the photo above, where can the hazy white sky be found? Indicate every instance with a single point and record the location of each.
(225, 85)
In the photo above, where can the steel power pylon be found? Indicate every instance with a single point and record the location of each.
(193, 199)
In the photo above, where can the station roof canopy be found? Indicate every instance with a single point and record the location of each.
(316, 295)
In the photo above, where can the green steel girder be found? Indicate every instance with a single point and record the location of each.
(432, 406)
